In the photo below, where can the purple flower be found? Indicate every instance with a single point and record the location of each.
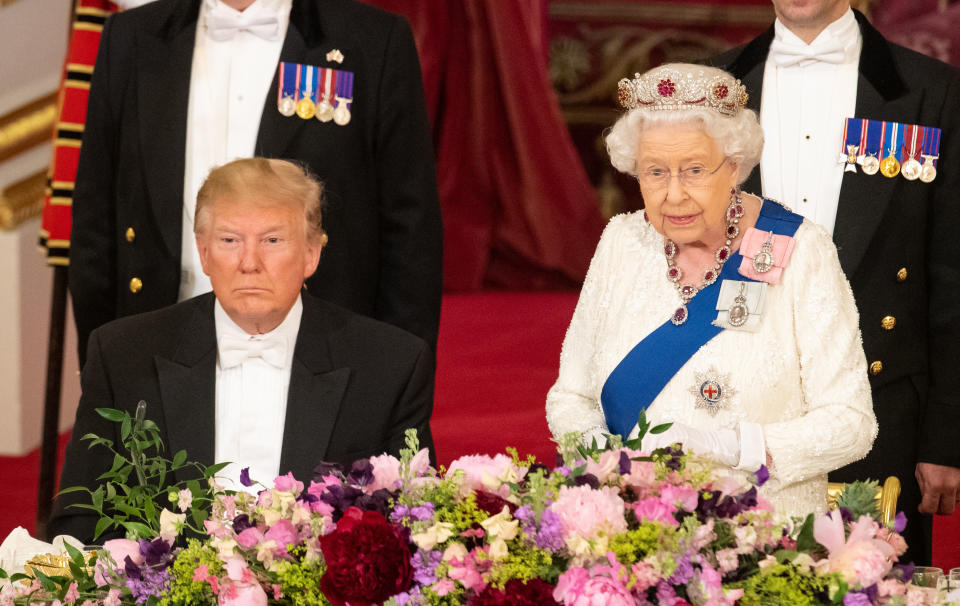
(241, 523)
(423, 512)
(587, 479)
(155, 552)
(625, 463)
(903, 572)
(550, 536)
(855, 598)
(674, 460)
(563, 470)
(152, 582)
(245, 477)
(900, 522)
(760, 476)
(399, 513)
(846, 515)
(683, 572)
(361, 473)
(425, 565)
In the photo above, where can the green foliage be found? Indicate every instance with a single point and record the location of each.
(136, 507)
(648, 538)
(861, 499)
(301, 580)
(783, 584)
(462, 515)
(525, 564)
(184, 591)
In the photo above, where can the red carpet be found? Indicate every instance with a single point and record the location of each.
(497, 358)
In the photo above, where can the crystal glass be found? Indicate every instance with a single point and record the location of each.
(927, 576)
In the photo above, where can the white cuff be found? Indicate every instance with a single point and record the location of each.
(753, 447)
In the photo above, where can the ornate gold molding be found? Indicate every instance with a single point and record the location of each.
(27, 126)
(22, 200)
(687, 14)
(7, 2)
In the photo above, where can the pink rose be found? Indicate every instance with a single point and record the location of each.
(606, 468)
(119, 550)
(654, 510)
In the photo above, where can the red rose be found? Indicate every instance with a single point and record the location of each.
(515, 592)
(368, 560)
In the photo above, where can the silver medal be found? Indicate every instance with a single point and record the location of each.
(763, 260)
(739, 312)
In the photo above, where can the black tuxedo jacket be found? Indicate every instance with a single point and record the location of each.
(884, 225)
(356, 385)
(382, 211)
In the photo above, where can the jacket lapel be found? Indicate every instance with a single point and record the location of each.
(748, 67)
(188, 387)
(314, 397)
(881, 95)
(304, 35)
(164, 63)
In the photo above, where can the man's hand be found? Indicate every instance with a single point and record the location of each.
(940, 486)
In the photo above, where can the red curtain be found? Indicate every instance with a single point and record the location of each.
(518, 209)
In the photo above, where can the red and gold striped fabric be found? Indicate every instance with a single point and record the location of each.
(88, 20)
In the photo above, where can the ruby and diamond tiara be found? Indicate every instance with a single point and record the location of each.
(669, 88)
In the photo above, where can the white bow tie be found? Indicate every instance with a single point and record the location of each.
(234, 350)
(785, 54)
(223, 24)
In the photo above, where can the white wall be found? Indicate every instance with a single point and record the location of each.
(33, 42)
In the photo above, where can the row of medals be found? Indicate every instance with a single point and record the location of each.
(323, 111)
(890, 166)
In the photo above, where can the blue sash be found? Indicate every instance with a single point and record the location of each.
(643, 373)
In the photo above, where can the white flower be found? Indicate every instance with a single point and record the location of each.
(430, 538)
(184, 499)
(171, 524)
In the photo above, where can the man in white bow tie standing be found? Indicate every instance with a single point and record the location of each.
(818, 65)
(257, 373)
(181, 86)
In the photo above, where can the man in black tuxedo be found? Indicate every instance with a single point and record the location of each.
(895, 237)
(257, 373)
(181, 86)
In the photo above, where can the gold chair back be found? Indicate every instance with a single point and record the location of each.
(887, 495)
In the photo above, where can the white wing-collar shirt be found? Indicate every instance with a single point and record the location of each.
(808, 92)
(230, 79)
(251, 397)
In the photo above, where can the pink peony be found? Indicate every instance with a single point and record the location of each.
(287, 483)
(654, 510)
(642, 473)
(577, 588)
(645, 575)
(586, 513)
(386, 473)
(895, 540)
(118, 549)
(728, 560)
(861, 557)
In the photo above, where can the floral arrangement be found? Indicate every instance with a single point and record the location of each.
(605, 527)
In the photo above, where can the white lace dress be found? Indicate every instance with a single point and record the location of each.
(801, 376)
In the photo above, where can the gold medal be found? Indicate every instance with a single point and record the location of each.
(324, 111)
(306, 108)
(911, 170)
(890, 166)
(928, 171)
(287, 106)
(341, 115)
(871, 165)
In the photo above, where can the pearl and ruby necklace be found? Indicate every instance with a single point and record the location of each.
(688, 291)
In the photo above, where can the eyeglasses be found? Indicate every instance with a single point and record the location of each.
(692, 176)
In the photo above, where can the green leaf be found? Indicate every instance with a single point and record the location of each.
(96, 497)
(73, 552)
(125, 429)
(213, 470)
(141, 530)
(661, 428)
(179, 458)
(46, 582)
(112, 414)
(111, 491)
(73, 489)
(3, 573)
(102, 525)
(805, 540)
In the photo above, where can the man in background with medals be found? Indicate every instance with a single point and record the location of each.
(863, 137)
(181, 86)
(857, 132)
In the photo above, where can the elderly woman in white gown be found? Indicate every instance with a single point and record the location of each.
(713, 309)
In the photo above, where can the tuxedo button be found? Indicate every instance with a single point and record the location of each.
(888, 322)
(136, 285)
(902, 274)
(130, 234)
(876, 367)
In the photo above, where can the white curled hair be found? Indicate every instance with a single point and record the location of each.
(739, 137)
